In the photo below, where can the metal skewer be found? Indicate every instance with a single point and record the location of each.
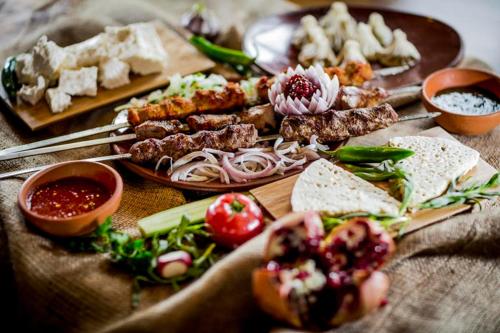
(67, 146)
(38, 168)
(64, 138)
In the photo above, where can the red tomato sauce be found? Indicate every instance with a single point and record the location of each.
(68, 197)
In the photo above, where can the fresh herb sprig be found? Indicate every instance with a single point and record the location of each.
(138, 256)
(471, 194)
(388, 222)
(399, 180)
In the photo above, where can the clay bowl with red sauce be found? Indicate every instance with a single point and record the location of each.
(71, 213)
(451, 78)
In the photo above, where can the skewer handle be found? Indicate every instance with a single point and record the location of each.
(67, 146)
(64, 138)
(38, 168)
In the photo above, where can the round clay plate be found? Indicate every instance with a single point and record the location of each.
(162, 177)
(439, 44)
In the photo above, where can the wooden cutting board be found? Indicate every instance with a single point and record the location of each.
(183, 59)
(275, 197)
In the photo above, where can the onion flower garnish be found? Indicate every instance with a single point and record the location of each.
(300, 91)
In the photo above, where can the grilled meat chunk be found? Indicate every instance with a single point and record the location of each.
(170, 108)
(352, 74)
(262, 117)
(159, 129)
(338, 125)
(205, 122)
(175, 146)
(351, 97)
(176, 107)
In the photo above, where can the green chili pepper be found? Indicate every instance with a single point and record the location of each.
(361, 154)
(9, 78)
(222, 54)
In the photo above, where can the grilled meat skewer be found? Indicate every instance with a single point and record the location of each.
(337, 125)
(262, 117)
(175, 146)
(203, 101)
(159, 129)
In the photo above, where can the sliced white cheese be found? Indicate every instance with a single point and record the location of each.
(24, 69)
(32, 94)
(138, 45)
(57, 99)
(113, 73)
(324, 186)
(81, 82)
(49, 59)
(89, 52)
(436, 162)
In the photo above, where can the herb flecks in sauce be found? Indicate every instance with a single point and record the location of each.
(467, 101)
(68, 197)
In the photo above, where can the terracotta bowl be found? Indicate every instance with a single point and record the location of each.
(460, 78)
(79, 224)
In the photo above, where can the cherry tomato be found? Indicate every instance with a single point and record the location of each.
(233, 219)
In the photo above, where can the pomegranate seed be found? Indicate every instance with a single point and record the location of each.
(299, 86)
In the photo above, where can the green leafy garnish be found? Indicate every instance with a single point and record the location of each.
(388, 222)
(470, 195)
(138, 256)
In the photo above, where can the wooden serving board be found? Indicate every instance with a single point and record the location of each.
(183, 59)
(275, 197)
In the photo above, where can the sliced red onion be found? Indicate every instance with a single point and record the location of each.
(187, 170)
(160, 161)
(242, 176)
(217, 152)
(189, 157)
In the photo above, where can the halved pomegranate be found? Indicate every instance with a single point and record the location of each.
(313, 282)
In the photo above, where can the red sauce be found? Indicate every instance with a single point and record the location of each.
(68, 197)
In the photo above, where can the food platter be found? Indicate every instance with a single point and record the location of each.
(162, 177)
(440, 46)
(39, 116)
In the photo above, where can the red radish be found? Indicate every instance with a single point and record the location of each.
(173, 264)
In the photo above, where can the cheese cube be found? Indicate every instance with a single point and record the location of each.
(24, 69)
(113, 73)
(49, 59)
(138, 45)
(32, 94)
(89, 52)
(57, 99)
(80, 82)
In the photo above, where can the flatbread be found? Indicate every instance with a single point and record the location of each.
(324, 186)
(437, 161)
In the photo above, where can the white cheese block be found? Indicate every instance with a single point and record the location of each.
(113, 73)
(32, 94)
(57, 99)
(49, 59)
(24, 69)
(89, 52)
(138, 45)
(436, 162)
(324, 186)
(81, 82)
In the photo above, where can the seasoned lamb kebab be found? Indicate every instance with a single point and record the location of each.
(159, 129)
(337, 125)
(262, 117)
(175, 146)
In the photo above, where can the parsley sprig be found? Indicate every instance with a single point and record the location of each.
(138, 256)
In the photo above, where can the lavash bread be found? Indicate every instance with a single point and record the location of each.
(326, 187)
(436, 162)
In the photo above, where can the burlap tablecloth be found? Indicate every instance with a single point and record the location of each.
(445, 278)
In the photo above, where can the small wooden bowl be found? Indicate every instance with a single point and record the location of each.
(460, 78)
(79, 224)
